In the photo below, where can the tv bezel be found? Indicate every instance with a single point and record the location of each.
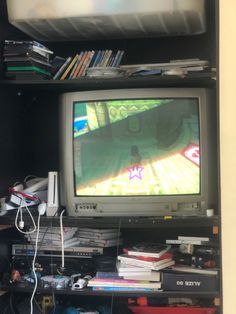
(132, 206)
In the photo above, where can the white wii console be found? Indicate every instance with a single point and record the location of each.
(53, 197)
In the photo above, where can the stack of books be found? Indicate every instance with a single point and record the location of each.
(144, 259)
(76, 66)
(26, 60)
(137, 270)
(195, 264)
(108, 281)
(103, 238)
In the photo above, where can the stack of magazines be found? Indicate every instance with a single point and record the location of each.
(26, 60)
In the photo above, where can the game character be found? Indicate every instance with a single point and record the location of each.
(135, 156)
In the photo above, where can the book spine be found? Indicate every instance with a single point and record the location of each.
(119, 58)
(96, 58)
(143, 284)
(101, 58)
(114, 281)
(106, 55)
(107, 58)
(83, 65)
(103, 275)
(81, 239)
(194, 242)
(111, 60)
(194, 238)
(93, 58)
(116, 58)
(136, 262)
(62, 68)
(104, 236)
(76, 65)
(80, 64)
(70, 66)
(88, 63)
(98, 230)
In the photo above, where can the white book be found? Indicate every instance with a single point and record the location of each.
(193, 238)
(82, 242)
(101, 236)
(131, 269)
(194, 242)
(153, 276)
(97, 230)
(50, 237)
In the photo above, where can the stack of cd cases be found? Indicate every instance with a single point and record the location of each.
(26, 60)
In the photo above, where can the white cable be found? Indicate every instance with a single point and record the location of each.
(33, 266)
(19, 210)
(62, 241)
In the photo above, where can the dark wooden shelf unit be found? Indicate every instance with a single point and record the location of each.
(199, 79)
(123, 222)
(90, 292)
(29, 127)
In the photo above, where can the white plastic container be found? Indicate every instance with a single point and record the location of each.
(93, 19)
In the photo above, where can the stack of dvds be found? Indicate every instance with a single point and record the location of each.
(26, 60)
(196, 262)
(88, 237)
(51, 236)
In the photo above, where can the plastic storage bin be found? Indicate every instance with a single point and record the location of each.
(172, 310)
(89, 19)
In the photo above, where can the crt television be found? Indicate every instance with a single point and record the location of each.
(136, 152)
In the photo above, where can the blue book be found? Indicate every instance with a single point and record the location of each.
(95, 58)
(116, 58)
(119, 58)
(111, 60)
(99, 61)
(62, 68)
(105, 275)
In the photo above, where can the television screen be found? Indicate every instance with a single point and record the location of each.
(137, 152)
(136, 147)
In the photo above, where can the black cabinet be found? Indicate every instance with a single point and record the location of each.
(29, 128)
